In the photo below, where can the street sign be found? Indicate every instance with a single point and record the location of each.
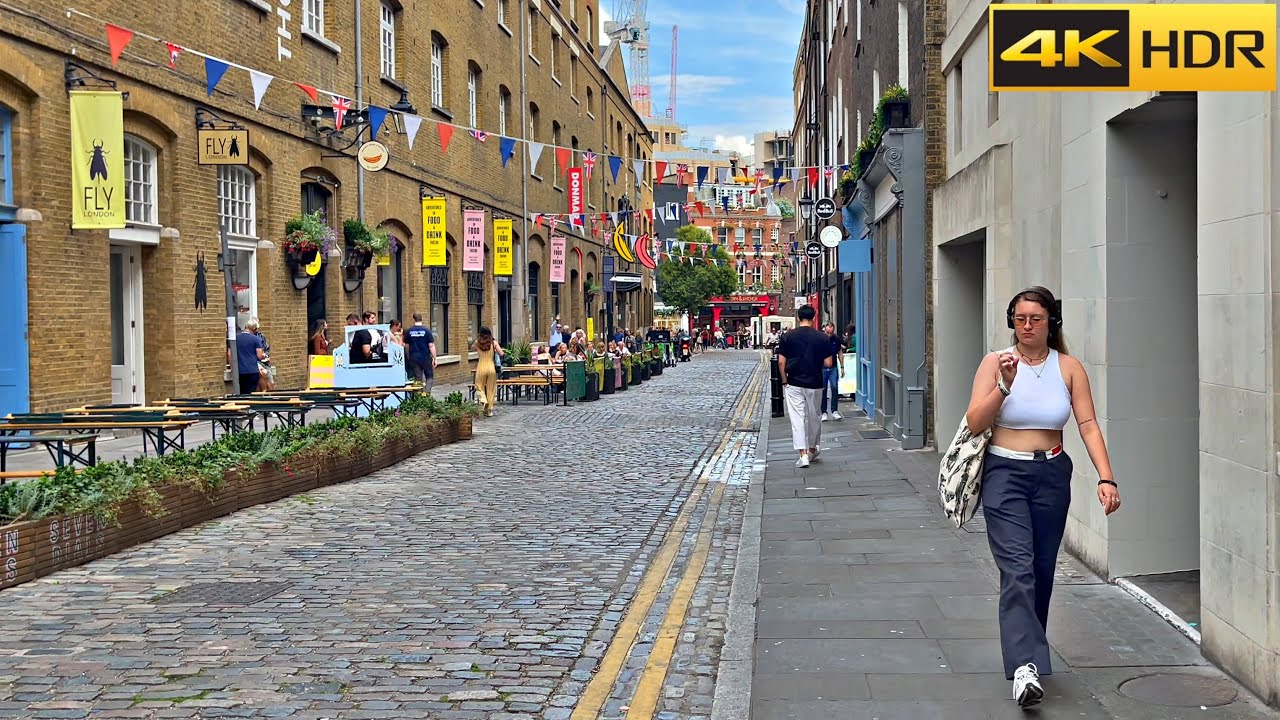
(824, 208)
(831, 236)
(813, 249)
(373, 156)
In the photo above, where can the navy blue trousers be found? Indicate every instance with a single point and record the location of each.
(1025, 505)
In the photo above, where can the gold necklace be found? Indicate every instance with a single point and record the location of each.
(1037, 372)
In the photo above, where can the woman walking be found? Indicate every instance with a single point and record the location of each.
(1025, 394)
(486, 371)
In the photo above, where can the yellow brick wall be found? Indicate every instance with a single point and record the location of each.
(69, 304)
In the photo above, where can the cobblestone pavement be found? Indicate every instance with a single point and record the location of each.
(485, 579)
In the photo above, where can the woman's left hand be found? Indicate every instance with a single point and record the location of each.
(1109, 497)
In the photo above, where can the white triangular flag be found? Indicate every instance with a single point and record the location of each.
(724, 176)
(411, 125)
(261, 81)
(638, 166)
(795, 174)
(535, 152)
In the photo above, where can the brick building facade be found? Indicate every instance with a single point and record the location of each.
(131, 291)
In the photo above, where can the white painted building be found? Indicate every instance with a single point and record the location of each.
(1154, 218)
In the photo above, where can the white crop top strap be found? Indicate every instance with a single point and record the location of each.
(1038, 398)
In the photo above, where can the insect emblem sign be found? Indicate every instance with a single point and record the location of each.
(97, 160)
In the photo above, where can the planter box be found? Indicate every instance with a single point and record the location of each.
(30, 550)
(864, 159)
(897, 113)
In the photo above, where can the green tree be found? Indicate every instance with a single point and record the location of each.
(688, 286)
(788, 211)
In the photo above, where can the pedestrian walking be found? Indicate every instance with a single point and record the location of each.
(421, 344)
(831, 375)
(802, 355)
(248, 352)
(486, 371)
(1025, 394)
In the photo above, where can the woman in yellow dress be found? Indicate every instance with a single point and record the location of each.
(486, 372)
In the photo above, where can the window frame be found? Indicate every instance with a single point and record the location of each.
(152, 166)
(437, 72)
(440, 291)
(8, 210)
(387, 39)
(473, 96)
(474, 282)
(250, 201)
(313, 16)
(504, 110)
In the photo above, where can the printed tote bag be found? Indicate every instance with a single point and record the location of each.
(960, 474)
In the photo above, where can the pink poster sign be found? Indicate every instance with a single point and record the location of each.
(557, 259)
(473, 240)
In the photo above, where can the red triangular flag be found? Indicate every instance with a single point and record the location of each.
(117, 39)
(309, 90)
(649, 213)
(563, 155)
(813, 176)
(446, 132)
(662, 173)
(702, 209)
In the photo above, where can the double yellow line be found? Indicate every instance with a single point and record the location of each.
(644, 703)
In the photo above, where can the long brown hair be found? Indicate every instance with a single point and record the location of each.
(1041, 296)
(484, 341)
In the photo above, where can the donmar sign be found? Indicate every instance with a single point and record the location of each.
(433, 232)
(1188, 48)
(502, 257)
(97, 160)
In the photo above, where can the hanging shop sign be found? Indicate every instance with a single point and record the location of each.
(576, 193)
(503, 262)
(97, 159)
(373, 156)
(830, 236)
(433, 232)
(557, 259)
(222, 147)
(473, 241)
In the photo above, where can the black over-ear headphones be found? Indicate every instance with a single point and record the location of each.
(1055, 307)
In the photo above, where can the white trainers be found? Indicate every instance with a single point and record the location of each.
(824, 417)
(814, 454)
(836, 414)
(803, 462)
(1026, 686)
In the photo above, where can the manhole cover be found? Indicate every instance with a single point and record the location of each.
(1180, 690)
(222, 593)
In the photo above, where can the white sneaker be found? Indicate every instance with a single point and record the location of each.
(814, 455)
(824, 417)
(836, 414)
(803, 462)
(1026, 686)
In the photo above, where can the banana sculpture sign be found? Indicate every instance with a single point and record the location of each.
(642, 252)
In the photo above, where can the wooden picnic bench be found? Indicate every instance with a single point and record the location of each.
(163, 430)
(287, 411)
(61, 446)
(529, 377)
(227, 416)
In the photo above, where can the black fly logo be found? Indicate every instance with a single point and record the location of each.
(202, 285)
(98, 165)
(235, 147)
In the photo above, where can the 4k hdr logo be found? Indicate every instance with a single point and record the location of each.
(1175, 47)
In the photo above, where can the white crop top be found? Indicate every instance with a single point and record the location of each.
(1038, 398)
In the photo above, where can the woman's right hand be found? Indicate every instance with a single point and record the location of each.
(1008, 367)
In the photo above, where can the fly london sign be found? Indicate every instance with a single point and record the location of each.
(97, 160)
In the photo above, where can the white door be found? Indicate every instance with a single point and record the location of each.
(126, 325)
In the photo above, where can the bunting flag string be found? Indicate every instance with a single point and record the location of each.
(214, 69)
(445, 132)
(261, 81)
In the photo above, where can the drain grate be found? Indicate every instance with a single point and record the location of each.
(1180, 690)
(222, 593)
(874, 434)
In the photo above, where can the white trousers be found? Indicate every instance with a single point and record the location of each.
(803, 406)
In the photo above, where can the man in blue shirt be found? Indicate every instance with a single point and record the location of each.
(421, 345)
(249, 350)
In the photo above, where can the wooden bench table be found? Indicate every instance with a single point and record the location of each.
(62, 447)
(164, 431)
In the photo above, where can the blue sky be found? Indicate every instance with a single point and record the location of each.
(734, 71)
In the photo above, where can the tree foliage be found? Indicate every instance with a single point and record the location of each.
(688, 286)
(785, 206)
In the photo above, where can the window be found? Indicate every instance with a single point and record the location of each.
(773, 235)
(573, 76)
(556, 44)
(387, 36)
(757, 236)
(504, 107)
(533, 122)
(724, 236)
(555, 141)
(757, 274)
(313, 16)
(437, 72)
(590, 27)
(502, 12)
(473, 84)
(139, 181)
(591, 105)
(533, 33)
(6, 162)
(440, 306)
(903, 61)
(389, 287)
(555, 299)
(236, 201)
(739, 237)
(777, 271)
(533, 299)
(475, 304)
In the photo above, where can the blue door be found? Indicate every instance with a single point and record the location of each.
(15, 379)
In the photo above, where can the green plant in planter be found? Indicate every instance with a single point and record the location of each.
(306, 235)
(519, 352)
(376, 241)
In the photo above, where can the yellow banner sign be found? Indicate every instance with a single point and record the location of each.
(502, 252)
(433, 232)
(320, 373)
(97, 160)
(1075, 47)
(222, 147)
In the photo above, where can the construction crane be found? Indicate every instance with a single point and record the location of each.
(671, 94)
(633, 29)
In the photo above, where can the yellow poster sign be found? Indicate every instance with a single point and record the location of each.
(321, 375)
(591, 329)
(433, 232)
(384, 260)
(97, 160)
(502, 252)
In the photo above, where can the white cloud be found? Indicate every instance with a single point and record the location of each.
(739, 143)
(696, 86)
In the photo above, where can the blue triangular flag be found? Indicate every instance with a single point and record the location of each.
(724, 200)
(702, 174)
(777, 174)
(376, 116)
(214, 70)
(615, 164)
(506, 146)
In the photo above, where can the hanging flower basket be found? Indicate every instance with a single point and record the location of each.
(306, 236)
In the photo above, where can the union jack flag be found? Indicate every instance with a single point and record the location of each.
(173, 54)
(341, 106)
(588, 163)
(480, 135)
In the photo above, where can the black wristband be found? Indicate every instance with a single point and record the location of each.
(1112, 483)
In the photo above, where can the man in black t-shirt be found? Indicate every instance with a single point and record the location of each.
(422, 352)
(360, 351)
(802, 355)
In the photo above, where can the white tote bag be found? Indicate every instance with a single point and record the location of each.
(960, 473)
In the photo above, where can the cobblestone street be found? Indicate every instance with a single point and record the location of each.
(484, 579)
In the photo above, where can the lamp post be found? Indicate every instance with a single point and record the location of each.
(806, 212)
